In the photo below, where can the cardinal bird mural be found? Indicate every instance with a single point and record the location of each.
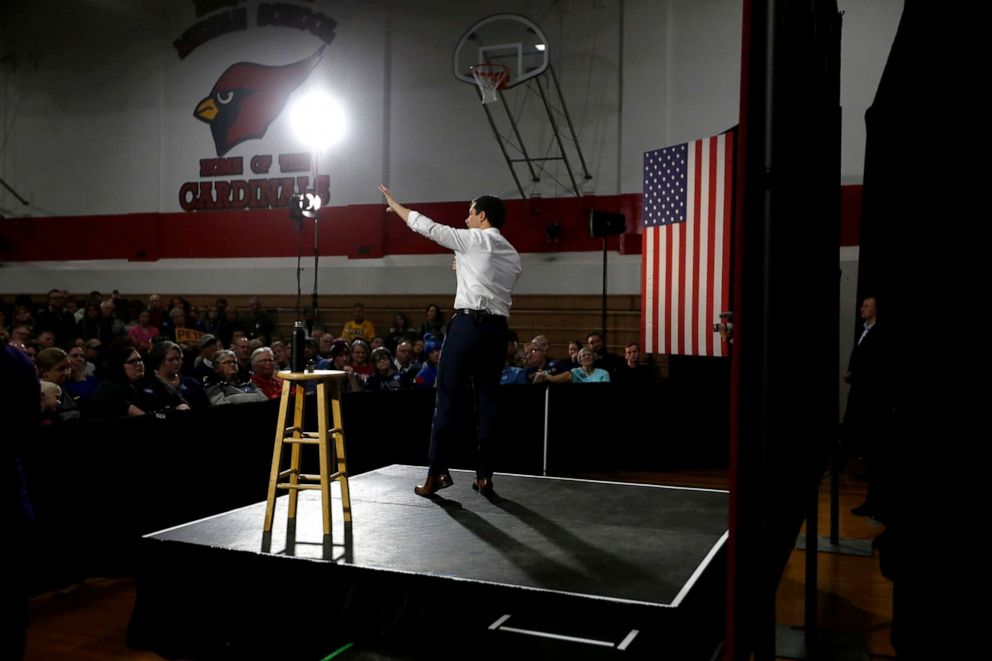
(248, 97)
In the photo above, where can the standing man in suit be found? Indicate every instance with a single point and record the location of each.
(867, 407)
(487, 267)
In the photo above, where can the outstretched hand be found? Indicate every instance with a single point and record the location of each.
(389, 197)
(393, 205)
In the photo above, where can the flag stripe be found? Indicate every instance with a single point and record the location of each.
(728, 197)
(685, 275)
(706, 302)
(645, 285)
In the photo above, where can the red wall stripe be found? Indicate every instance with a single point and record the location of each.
(357, 231)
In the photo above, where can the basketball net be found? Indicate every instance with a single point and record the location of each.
(490, 78)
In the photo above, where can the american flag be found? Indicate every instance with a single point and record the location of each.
(685, 258)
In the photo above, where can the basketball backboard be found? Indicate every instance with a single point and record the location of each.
(508, 39)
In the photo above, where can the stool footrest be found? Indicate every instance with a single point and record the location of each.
(313, 477)
(289, 487)
(315, 434)
(305, 440)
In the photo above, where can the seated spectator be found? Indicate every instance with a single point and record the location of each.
(632, 354)
(53, 366)
(45, 339)
(176, 319)
(51, 400)
(418, 352)
(242, 350)
(544, 344)
(165, 361)
(111, 327)
(22, 317)
(257, 323)
(203, 366)
(212, 320)
(195, 319)
(433, 322)
(604, 359)
(128, 391)
(399, 332)
(226, 388)
(310, 357)
(88, 327)
(80, 385)
(20, 335)
(324, 344)
(143, 332)
(428, 372)
(94, 357)
(263, 367)
(518, 358)
(30, 349)
(359, 327)
(280, 352)
(227, 324)
(633, 372)
(573, 352)
(587, 373)
(360, 360)
(377, 342)
(386, 376)
(404, 361)
(537, 362)
(341, 360)
(511, 372)
(72, 307)
(53, 317)
(156, 313)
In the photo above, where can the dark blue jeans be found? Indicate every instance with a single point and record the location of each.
(467, 378)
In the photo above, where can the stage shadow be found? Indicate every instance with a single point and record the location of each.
(326, 544)
(600, 564)
(545, 570)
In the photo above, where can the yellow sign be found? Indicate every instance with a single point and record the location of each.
(188, 336)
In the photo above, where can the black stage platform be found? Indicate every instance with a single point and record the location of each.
(549, 567)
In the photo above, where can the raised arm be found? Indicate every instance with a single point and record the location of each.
(394, 206)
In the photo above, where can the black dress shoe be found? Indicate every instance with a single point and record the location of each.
(484, 485)
(433, 484)
(864, 509)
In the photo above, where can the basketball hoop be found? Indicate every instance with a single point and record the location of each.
(490, 78)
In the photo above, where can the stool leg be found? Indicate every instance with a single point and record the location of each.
(339, 452)
(294, 462)
(270, 501)
(325, 464)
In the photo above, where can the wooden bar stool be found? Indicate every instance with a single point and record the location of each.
(297, 437)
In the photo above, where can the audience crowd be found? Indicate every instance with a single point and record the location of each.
(107, 356)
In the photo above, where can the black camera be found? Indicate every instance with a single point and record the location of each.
(725, 327)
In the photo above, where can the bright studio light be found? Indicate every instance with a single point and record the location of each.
(318, 120)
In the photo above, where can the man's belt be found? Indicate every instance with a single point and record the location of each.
(478, 314)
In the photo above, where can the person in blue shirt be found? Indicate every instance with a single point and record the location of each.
(428, 372)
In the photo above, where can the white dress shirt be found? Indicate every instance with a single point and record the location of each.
(487, 266)
(867, 327)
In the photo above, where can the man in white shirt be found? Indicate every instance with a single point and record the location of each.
(487, 267)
